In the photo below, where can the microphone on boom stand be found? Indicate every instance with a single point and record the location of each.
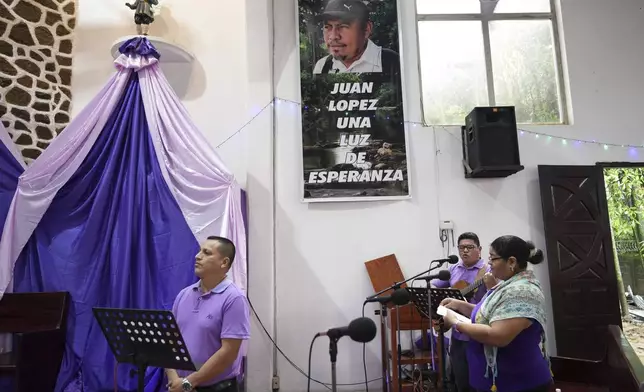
(362, 330)
(398, 297)
(441, 275)
(452, 259)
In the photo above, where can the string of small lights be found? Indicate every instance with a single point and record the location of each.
(537, 135)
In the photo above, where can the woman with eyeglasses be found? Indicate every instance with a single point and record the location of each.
(506, 351)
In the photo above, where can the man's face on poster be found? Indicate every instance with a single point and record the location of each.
(346, 40)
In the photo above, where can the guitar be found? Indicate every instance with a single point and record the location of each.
(467, 289)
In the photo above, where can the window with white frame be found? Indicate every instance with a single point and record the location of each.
(490, 53)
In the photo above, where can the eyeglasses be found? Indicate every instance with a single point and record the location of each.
(495, 258)
(466, 247)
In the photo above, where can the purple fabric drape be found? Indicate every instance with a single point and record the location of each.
(10, 147)
(40, 182)
(205, 190)
(11, 167)
(112, 212)
(113, 236)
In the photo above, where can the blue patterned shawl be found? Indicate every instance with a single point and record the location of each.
(520, 296)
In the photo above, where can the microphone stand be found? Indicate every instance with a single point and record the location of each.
(333, 353)
(385, 318)
(431, 323)
(399, 349)
(441, 337)
(443, 356)
(396, 286)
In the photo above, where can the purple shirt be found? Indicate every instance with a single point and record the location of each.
(206, 318)
(461, 272)
(520, 364)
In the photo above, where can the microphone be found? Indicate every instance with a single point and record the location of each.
(453, 259)
(441, 275)
(398, 297)
(362, 330)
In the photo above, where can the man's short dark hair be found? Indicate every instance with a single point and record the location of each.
(225, 247)
(469, 236)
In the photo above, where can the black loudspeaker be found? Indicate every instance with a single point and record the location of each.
(490, 143)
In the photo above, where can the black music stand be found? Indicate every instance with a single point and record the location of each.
(421, 298)
(438, 295)
(144, 338)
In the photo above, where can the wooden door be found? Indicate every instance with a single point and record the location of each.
(579, 252)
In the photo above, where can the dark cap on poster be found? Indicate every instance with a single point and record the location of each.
(346, 10)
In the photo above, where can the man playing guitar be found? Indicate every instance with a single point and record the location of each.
(472, 276)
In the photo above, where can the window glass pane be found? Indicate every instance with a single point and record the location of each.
(448, 6)
(452, 66)
(525, 71)
(517, 6)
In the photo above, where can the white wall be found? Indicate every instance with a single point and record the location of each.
(320, 279)
(321, 248)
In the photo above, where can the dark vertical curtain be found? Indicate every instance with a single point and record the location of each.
(113, 236)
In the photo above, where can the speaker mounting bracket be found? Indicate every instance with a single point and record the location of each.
(492, 171)
(468, 169)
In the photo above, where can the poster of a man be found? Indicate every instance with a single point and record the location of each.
(347, 31)
(354, 144)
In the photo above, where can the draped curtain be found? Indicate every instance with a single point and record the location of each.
(11, 166)
(113, 212)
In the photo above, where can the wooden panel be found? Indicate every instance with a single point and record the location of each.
(620, 370)
(420, 324)
(38, 322)
(7, 363)
(384, 272)
(580, 260)
(28, 312)
(627, 368)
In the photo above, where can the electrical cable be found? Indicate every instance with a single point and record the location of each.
(308, 382)
(444, 238)
(292, 363)
(414, 365)
(443, 235)
(364, 356)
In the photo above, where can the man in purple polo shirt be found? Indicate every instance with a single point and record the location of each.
(467, 269)
(213, 317)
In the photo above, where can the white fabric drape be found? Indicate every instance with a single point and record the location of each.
(207, 193)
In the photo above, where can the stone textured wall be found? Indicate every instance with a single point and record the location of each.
(35, 70)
